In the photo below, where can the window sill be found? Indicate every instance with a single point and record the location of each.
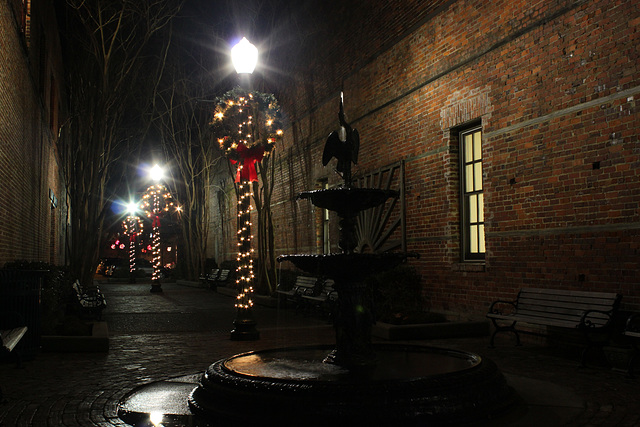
(472, 267)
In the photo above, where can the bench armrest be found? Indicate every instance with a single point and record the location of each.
(586, 323)
(498, 307)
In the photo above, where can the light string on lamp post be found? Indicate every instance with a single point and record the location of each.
(133, 227)
(248, 126)
(155, 201)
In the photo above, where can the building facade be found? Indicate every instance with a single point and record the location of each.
(516, 125)
(32, 194)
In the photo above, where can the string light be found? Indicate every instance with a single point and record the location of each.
(255, 118)
(156, 200)
(244, 270)
(133, 227)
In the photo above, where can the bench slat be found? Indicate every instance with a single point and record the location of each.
(566, 300)
(11, 337)
(545, 321)
(564, 293)
(563, 308)
(564, 311)
(597, 320)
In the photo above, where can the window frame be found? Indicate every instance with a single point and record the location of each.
(467, 220)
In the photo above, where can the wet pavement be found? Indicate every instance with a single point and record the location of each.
(175, 335)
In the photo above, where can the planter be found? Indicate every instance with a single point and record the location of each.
(97, 342)
(430, 330)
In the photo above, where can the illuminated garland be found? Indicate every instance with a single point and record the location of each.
(156, 200)
(132, 227)
(248, 126)
(244, 271)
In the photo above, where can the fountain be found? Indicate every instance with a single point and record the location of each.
(355, 380)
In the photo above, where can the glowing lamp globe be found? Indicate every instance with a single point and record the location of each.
(132, 208)
(156, 173)
(244, 56)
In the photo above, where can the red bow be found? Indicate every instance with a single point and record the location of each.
(133, 237)
(247, 163)
(156, 221)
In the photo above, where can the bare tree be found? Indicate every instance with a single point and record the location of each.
(187, 141)
(108, 68)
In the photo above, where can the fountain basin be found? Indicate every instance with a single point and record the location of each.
(347, 201)
(410, 385)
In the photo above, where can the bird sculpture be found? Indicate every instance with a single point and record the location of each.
(343, 144)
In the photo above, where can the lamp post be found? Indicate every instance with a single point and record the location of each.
(132, 228)
(244, 56)
(157, 192)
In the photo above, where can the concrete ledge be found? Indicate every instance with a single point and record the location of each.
(96, 343)
(431, 330)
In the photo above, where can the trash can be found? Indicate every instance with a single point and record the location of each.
(20, 292)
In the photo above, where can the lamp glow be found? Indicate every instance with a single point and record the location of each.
(244, 56)
(156, 173)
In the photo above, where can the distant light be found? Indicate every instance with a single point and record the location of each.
(132, 208)
(156, 173)
(244, 56)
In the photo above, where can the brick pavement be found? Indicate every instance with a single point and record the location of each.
(183, 330)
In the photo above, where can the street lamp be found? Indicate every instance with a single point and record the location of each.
(158, 195)
(244, 56)
(132, 228)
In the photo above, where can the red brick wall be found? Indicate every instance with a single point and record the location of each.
(555, 87)
(28, 160)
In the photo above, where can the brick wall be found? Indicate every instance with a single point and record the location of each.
(554, 86)
(29, 171)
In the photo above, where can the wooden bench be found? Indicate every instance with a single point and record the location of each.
(9, 339)
(90, 300)
(589, 312)
(223, 278)
(304, 285)
(325, 300)
(210, 279)
(632, 332)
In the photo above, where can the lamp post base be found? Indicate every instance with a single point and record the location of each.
(245, 327)
(155, 287)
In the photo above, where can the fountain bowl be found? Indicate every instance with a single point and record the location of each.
(410, 385)
(347, 201)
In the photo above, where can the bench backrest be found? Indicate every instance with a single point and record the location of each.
(328, 290)
(305, 285)
(567, 306)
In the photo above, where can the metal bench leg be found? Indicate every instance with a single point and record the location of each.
(498, 328)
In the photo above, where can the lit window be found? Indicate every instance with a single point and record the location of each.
(472, 202)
